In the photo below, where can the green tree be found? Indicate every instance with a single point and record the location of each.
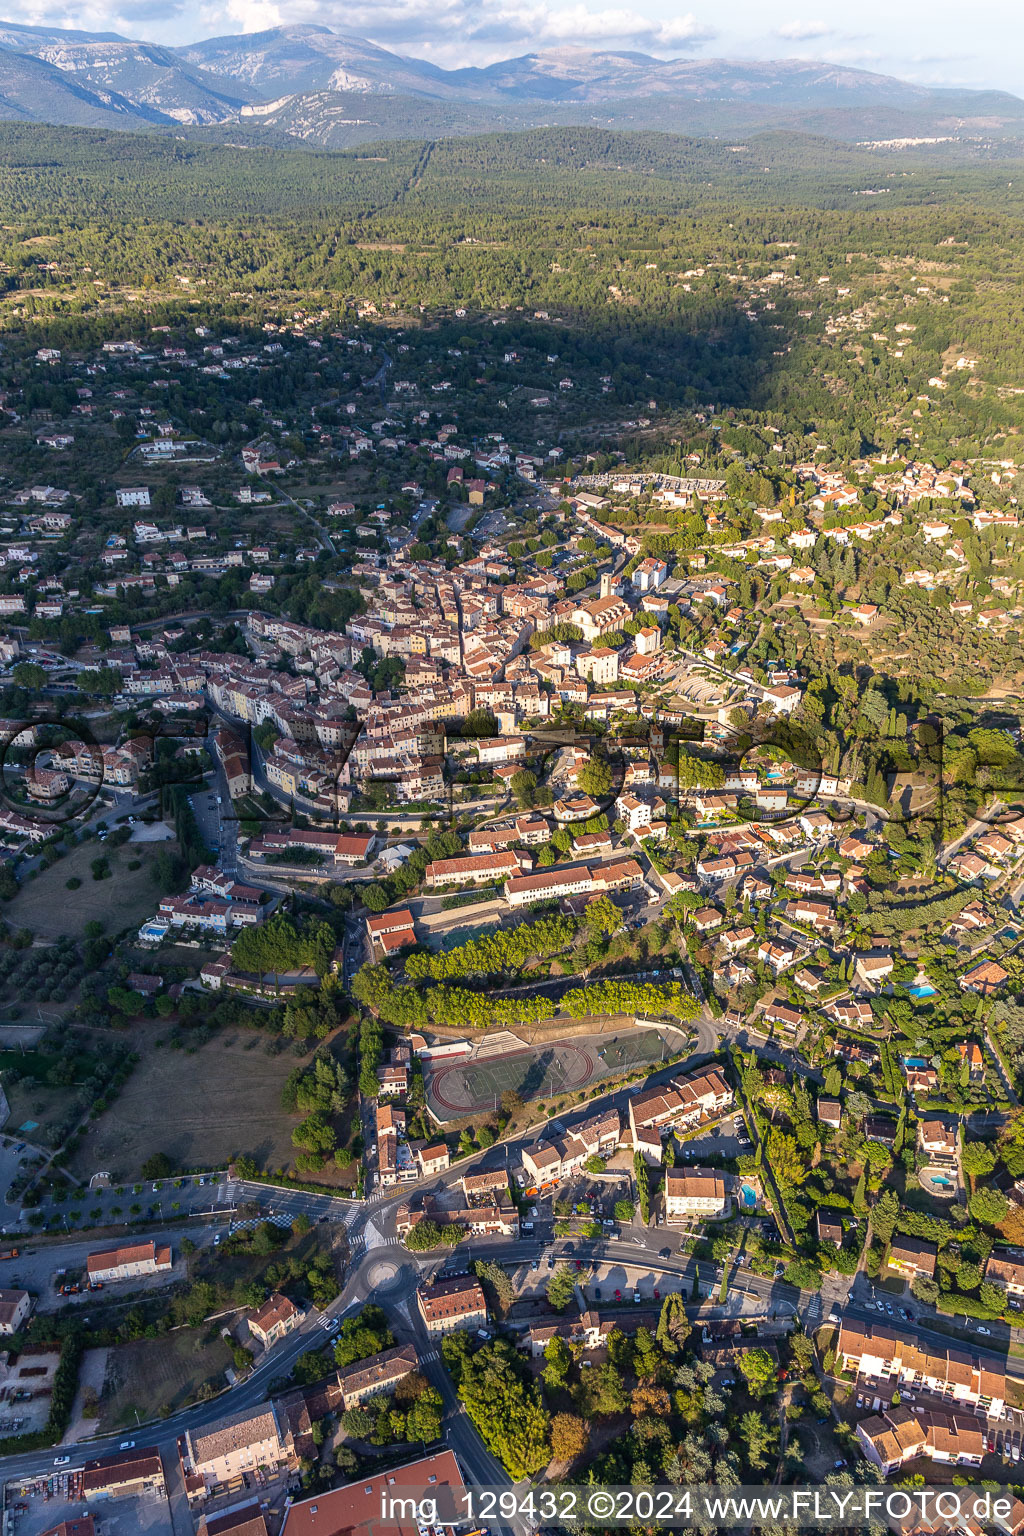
(759, 1369)
(561, 1287)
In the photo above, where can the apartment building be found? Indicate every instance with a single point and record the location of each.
(125, 1475)
(457, 1302)
(376, 1374)
(494, 1216)
(131, 1262)
(898, 1435)
(877, 1353)
(684, 1102)
(395, 1162)
(476, 868)
(546, 1164)
(222, 1455)
(696, 1192)
(355, 1508)
(573, 880)
(433, 1159)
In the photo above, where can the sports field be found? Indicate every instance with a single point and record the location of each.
(460, 1088)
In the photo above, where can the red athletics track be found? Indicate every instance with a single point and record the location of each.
(583, 1061)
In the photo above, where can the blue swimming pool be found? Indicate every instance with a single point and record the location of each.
(749, 1196)
(940, 1180)
(914, 1062)
(922, 989)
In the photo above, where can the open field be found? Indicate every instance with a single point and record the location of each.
(128, 897)
(150, 1375)
(200, 1108)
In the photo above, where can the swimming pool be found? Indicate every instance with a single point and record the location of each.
(941, 1181)
(914, 1062)
(922, 989)
(749, 1196)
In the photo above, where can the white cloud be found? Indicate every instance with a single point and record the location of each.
(802, 31)
(459, 32)
(541, 23)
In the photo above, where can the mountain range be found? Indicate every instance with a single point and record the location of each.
(316, 85)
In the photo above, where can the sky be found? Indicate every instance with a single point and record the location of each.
(931, 42)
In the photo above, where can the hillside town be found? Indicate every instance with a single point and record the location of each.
(512, 937)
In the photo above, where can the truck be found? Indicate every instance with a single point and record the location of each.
(9, 1253)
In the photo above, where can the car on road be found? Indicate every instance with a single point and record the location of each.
(127, 1445)
(657, 1294)
(636, 1297)
(664, 1253)
(597, 1293)
(618, 1295)
(61, 1461)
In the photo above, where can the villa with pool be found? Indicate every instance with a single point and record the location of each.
(938, 1136)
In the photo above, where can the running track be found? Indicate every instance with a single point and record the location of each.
(569, 1054)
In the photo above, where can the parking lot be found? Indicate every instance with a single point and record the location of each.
(15, 1155)
(41, 1506)
(614, 1283)
(35, 1268)
(726, 1139)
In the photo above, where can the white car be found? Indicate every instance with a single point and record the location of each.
(61, 1461)
(986, 1331)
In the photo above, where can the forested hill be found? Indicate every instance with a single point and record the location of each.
(67, 174)
(784, 277)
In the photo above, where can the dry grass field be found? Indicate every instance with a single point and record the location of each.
(150, 1376)
(50, 910)
(199, 1108)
